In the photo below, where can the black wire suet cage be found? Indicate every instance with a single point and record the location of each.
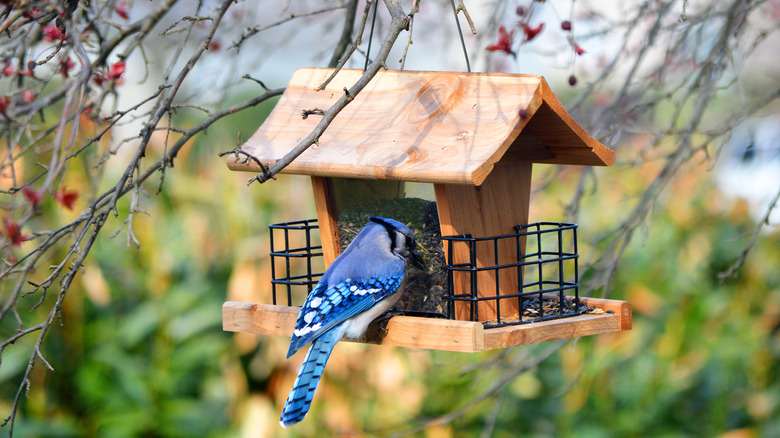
(290, 254)
(546, 265)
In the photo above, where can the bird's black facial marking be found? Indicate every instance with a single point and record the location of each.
(392, 233)
(402, 243)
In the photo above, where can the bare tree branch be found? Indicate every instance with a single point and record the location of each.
(79, 235)
(164, 106)
(462, 8)
(398, 23)
(346, 33)
(415, 9)
(62, 103)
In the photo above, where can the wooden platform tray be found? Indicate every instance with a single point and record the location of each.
(439, 334)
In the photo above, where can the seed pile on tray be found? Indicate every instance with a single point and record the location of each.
(550, 308)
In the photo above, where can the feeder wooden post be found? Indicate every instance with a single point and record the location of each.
(327, 217)
(484, 211)
(332, 195)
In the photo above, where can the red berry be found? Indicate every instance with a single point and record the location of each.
(566, 25)
(572, 80)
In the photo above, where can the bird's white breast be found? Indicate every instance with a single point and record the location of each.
(357, 325)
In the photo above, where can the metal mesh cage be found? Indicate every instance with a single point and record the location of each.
(547, 274)
(291, 244)
(546, 267)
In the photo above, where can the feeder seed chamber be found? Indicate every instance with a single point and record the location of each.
(494, 280)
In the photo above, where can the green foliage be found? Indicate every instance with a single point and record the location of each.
(141, 351)
(701, 359)
(144, 362)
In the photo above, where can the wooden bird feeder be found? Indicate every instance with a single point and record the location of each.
(474, 137)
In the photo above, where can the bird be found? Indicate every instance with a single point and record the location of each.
(361, 284)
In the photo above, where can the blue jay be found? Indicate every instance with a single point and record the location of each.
(361, 284)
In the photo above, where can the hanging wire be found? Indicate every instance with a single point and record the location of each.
(457, 22)
(460, 32)
(370, 36)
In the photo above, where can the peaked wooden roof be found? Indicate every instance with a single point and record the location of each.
(438, 127)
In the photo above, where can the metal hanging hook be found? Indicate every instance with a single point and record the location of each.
(460, 33)
(457, 22)
(370, 37)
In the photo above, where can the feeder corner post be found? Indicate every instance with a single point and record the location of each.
(327, 217)
(484, 211)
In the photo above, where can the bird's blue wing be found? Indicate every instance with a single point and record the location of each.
(332, 304)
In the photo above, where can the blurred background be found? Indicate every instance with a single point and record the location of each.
(682, 226)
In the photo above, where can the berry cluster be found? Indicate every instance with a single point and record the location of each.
(506, 38)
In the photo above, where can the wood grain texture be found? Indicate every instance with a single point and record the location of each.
(402, 331)
(564, 328)
(327, 218)
(557, 129)
(430, 334)
(261, 319)
(492, 209)
(436, 127)
(436, 334)
(622, 309)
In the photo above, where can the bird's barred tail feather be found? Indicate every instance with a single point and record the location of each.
(309, 374)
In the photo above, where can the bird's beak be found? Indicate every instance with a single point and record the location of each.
(416, 261)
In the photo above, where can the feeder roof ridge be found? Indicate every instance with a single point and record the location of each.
(434, 127)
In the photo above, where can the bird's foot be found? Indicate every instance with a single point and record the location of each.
(382, 320)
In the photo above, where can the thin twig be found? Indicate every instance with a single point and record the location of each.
(164, 106)
(358, 41)
(462, 8)
(409, 42)
(398, 23)
(346, 33)
(250, 32)
(753, 236)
